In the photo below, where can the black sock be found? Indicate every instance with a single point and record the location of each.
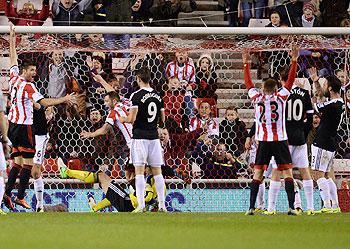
(289, 186)
(12, 179)
(254, 189)
(23, 182)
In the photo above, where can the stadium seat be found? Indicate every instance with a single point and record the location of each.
(258, 22)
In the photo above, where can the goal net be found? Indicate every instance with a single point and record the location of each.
(209, 115)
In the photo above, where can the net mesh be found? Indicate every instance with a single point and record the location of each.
(208, 111)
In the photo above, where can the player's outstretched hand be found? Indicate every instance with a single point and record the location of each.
(85, 134)
(246, 56)
(12, 33)
(295, 52)
(313, 74)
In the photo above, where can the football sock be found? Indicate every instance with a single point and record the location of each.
(101, 205)
(273, 194)
(85, 176)
(24, 177)
(12, 178)
(333, 193)
(297, 202)
(309, 193)
(160, 185)
(289, 187)
(324, 190)
(140, 185)
(39, 192)
(2, 188)
(254, 189)
(260, 199)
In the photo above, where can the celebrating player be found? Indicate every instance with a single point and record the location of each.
(324, 145)
(146, 111)
(23, 92)
(270, 131)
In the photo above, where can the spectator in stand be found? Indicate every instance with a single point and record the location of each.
(308, 19)
(275, 19)
(58, 77)
(69, 12)
(312, 133)
(345, 23)
(232, 12)
(294, 9)
(166, 12)
(206, 78)
(174, 103)
(233, 131)
(247, 5)
(141, 12)
(334, 11)
(28, 15)
(183, 69)
(204, 119)
(99, 12)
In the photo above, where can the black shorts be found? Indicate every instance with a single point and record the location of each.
(22, 139)
(277, 149)
(118, 197)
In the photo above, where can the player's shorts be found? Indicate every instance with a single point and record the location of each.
(22, 139)
(277, 149)
(2, 159)
(322, 160)
(299, 156)
(118, 197)
(145, 151)
(40, 148)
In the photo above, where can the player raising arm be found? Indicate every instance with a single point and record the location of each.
(269, 105)
(146, 112)
(23, 92)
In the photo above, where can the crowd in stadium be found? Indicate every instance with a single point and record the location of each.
(194, 136)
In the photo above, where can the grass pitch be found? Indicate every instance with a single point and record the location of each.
(172, 230)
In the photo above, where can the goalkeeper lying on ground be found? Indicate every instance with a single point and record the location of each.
(116, 196)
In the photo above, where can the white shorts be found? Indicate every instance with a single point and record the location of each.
(145, 151)
(2, 159)
(322, 160)
(40, 148)
(299, 156)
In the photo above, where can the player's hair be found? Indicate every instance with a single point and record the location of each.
(270, 85)
(113, 95)
(144, 74)
(26, 64)
(334, 82)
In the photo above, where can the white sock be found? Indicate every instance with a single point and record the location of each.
(273, 194)
(260, 199)
(140, 185)
(2, 188)
(308, 186)
(159, 182)
(333, 192)
(324, 190)
(297, 199)
(39, 192)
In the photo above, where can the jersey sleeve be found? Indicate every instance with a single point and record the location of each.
(135, 102)
(308, 104)
(111, 118)
(33, 93)
(321, 107)
(162, 105)
(14, 72)
(253, 93)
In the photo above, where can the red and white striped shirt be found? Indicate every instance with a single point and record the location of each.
(22, 94)
(197, 123)
(270, 120)
(120, 110)
(270, 112)
(185, 73)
